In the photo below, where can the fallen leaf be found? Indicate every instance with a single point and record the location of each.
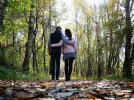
(82, 89)
(131, 84)
(76, 86)
(40, 90)
(104, 92)
(46, 99)
(119, 94)
(90, 96)
(23, 95)
(74, 97)
(46, 84)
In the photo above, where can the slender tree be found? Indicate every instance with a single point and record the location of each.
(127, 67)
(26, 62)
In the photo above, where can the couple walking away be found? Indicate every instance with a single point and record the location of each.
(59, 43)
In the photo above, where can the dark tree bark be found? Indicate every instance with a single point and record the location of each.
(44, 37)
(89, 65)
(110, 58)
(45, 27)
(132, 55)
(99, 53)
(13, 39)
(3, 56)
(127, 66)
(26, 62)
(110, 53)
(50, 17)
(3, 5)
(34, 51)
(98, 46)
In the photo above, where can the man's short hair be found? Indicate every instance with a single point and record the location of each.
(58, 28)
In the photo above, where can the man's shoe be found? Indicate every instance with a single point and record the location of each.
(53, 78)
(57, 78)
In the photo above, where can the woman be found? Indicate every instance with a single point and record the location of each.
(69, 53)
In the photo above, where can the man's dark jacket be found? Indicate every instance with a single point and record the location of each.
(55, 38)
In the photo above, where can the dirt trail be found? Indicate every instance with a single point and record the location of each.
(61, 90)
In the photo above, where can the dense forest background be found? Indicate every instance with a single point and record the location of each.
(104, 34)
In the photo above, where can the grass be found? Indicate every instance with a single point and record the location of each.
(10, 74)
(112, 78)
(119, 78)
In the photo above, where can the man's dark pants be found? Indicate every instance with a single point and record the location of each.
(55, 64)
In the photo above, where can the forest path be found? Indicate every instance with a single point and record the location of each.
(62, 90)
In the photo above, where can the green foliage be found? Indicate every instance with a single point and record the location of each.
(11, 58)
(11, 74)
(117, 78)
(112, 78)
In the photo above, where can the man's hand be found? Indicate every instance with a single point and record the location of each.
(71, 43)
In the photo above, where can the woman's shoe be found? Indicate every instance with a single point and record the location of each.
(67, 79)
(52, 79)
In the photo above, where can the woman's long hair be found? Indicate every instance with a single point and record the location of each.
(68, 34)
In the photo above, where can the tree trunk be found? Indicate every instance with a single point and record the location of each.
(89, 66)
(127, 66)
(132, 55)
(99, 53)
(110, 54)
(44, 37)
(3, 5)
(34, 51)
(26, 62)
(13, 39)
(3, 56)
(76, 67)
(50, 17)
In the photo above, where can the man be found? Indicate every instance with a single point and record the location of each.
(55, 52)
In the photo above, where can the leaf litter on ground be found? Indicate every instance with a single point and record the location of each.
(70, 90)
